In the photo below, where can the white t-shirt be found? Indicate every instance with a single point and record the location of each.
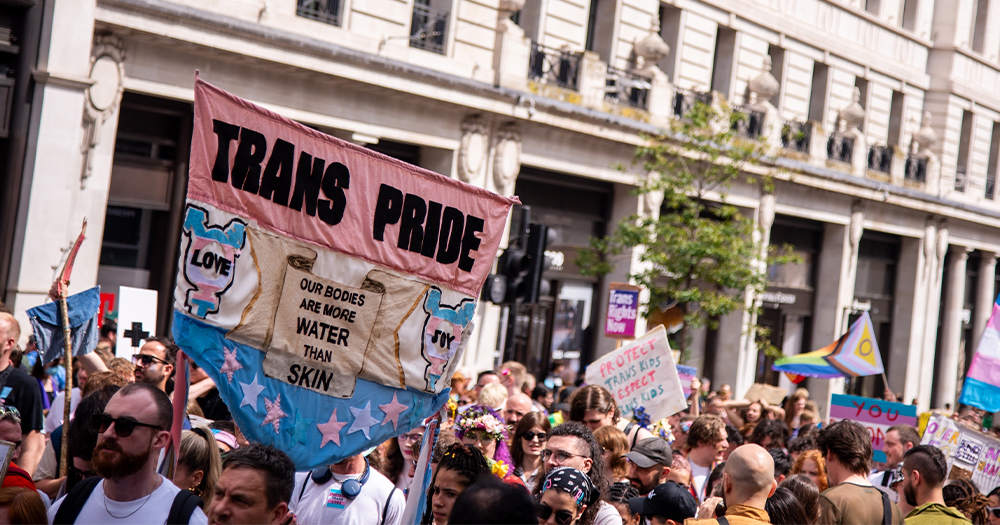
(324, 504)
(700, 476)
(143, 510)
(55, 417)
(607, 514)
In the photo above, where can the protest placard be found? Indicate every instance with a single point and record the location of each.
(136, 319)
(875, 414)
(328, 290)
(770, 393)
(971, 454)
(641, 373)
(623, 309)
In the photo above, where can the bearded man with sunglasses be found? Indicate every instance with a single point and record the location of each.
(571, 444)
(154, 364)
(133, 429)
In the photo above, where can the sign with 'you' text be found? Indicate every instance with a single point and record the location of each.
(328, 290)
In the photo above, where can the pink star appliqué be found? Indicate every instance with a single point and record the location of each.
(231, 365)
(392, 412)
(331, 430)
(274, 413)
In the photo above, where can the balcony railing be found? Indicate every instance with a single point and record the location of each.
(880, 158)
(840, 148)
(684, 100)
(428, 28)
(991, 186)
(750, 123)
(627, 89)
(960, 179)
(915, 169)
(796, 135)
(326, 11)
(555, 66)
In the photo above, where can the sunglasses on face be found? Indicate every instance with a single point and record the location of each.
(530, 436)
(543, 511)
(124, 426)
(994, 510)
(145, 360)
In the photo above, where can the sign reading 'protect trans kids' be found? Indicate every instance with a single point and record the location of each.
(328, 290)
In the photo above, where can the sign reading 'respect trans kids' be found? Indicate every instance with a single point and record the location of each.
(875, 414)
(328, 290)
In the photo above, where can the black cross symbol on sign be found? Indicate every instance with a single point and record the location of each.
(136, 334)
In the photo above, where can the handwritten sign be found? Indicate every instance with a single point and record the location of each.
(971, 454)
(875, 414)
(623, 308)
(641, 373)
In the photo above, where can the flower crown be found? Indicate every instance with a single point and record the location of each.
(482, 418)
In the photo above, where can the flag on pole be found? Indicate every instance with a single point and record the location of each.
(982, 383)
(855, 354)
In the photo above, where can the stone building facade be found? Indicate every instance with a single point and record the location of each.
(884, 116)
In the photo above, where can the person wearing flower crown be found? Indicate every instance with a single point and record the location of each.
(566, 497)
(483, 428)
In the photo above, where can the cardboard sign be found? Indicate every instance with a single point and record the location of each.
(136, 320)
(875, 414)
(971, 454)
(6, 454)
(623, 309)
(772, 394)
(686, 374)
(641, 373)
(328, 290)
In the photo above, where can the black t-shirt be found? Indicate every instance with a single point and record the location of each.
(214, 407)
(21, 391)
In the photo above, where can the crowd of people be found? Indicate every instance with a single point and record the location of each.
(508, 450)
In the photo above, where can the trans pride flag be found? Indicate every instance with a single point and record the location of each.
(980, 389)
(855, 354)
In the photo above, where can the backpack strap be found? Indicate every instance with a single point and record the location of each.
(304, 483)
(886, 509)
(722, 520)
(73, 503)
(385, 508)
(183, 507)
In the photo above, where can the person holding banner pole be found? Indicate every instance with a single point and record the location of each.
(350, 492)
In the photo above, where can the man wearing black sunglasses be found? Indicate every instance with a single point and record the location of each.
(154, 364)
(133, 429)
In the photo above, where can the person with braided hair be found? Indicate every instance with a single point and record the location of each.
(459, 467)
(618, 495)
(964, 495)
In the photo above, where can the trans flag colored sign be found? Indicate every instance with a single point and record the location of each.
(875, 414)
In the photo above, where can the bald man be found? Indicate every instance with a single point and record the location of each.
(517, 406)
(748, 480)
(20, 391)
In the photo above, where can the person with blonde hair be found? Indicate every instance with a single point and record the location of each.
(615, 445)
(811, 464)
(199, 465)
(493, 395)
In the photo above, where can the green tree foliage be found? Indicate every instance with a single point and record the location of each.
(700, 251)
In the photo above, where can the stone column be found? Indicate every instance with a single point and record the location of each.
(951, 329)
(916, 262)
(936, 271)
(746, 362)
(985, 295)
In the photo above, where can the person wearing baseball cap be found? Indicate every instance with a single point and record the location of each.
(649, 464)
(667, 504)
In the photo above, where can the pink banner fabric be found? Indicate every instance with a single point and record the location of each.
(315, 188)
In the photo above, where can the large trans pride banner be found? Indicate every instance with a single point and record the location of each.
(328, 290)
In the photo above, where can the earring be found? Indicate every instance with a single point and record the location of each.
(195, 489)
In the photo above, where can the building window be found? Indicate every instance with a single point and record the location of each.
(896, 118)
(979, 25)
(670, 32)
(874, 7)
(777, 55)
(722, 63)
(429, 26)
(909, 18)
(964, 150)
(600, 28)
(528, 18)
(991, 170)
(326, 11)
(862, 85)
(817, 97)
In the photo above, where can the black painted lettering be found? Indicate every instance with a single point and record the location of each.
(342, 338)
(336, 179)
(226, 133)
(308, 179)
(432, 229)
(276, 183)
(411, 229)
(294, 375)
(324, 379)
(388, 208)
(450, 243)
(470, 242)
(246, 164)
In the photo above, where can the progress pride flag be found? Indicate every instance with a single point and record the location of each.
(315, 188)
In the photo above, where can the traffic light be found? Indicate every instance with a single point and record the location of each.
(532, 284)
(519, 270)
